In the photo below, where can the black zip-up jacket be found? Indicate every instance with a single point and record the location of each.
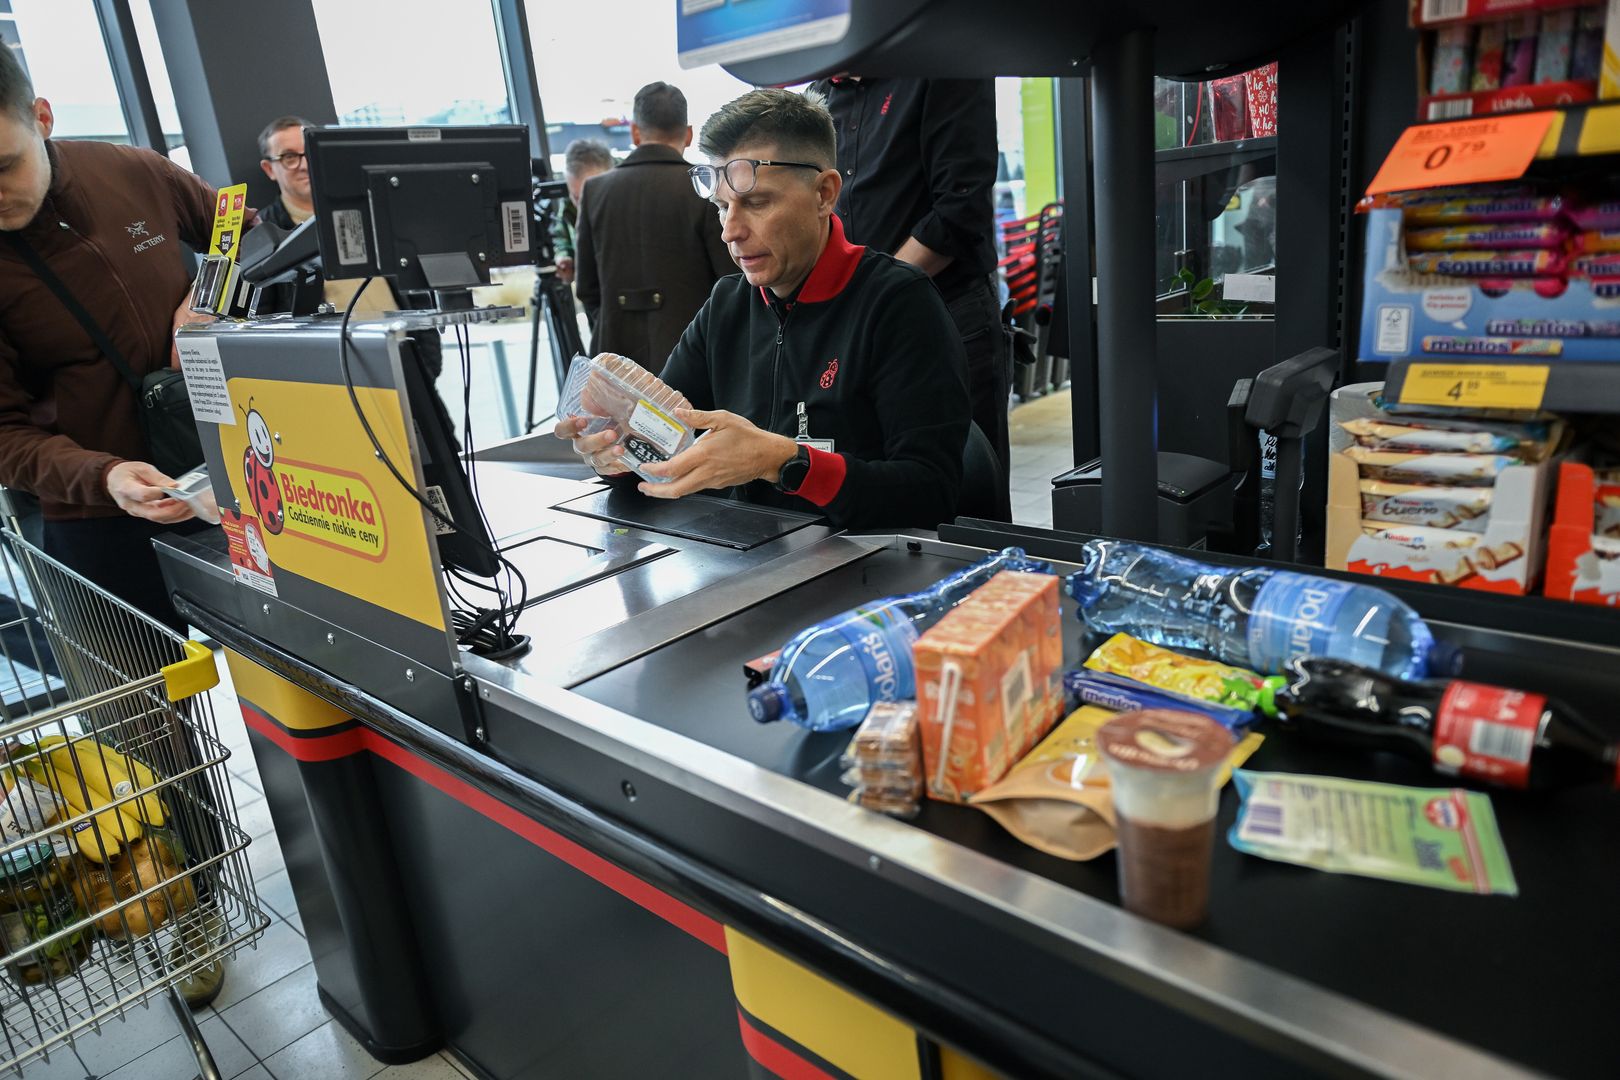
(919, 159)
(868, 347)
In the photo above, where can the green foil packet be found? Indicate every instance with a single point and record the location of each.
(1445, 838)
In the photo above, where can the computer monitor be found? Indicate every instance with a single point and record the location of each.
(433, 208)
(470, 546)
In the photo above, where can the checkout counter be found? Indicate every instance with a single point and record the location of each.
(587, 860)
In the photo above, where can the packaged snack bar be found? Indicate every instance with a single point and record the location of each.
(1488, 56)
(615, 392)
(1462, 508)
(1598, 265)
(1606, 511)
(1586, 57)
(1595, 216)
(1555, 46)
(1519, 61)
(1439, 837)
(1534, 234)
(1058, 799)
(1449, 63)
(1421, 537)
(1120, 694)
(1460, 470)
(1381, 435)
(884, 760)
(1595, 240)
(1479, 208)
(1522, 263)
(1206, 680)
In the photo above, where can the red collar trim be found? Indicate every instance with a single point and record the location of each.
(832, 271)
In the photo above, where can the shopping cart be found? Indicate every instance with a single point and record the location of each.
(123, 870)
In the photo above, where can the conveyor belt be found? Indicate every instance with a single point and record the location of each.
(1532, 978)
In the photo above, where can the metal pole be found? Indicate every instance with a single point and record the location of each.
(1122, 126)
(1078, 230)
(129, 73)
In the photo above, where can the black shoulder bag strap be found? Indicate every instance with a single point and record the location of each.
(71, 302)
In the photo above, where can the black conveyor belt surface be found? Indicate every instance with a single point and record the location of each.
(1534, 978)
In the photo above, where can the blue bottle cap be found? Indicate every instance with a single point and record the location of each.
(1445, 660)
(768, 702)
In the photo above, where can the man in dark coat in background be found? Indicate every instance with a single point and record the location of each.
(648, 250)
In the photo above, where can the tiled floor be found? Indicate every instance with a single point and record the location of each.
(268, 1024)
(1041, 449)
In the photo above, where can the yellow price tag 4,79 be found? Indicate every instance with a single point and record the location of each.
(1476, 386)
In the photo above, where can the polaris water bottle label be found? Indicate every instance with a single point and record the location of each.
(1294, 616)
(882, 641)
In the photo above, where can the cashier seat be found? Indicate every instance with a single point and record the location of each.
(984, 486)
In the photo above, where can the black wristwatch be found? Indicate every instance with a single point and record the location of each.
(795, 471)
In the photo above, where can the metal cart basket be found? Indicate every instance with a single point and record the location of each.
(123, 870)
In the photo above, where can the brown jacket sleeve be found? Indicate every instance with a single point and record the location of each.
(54, 467)
(193, 203)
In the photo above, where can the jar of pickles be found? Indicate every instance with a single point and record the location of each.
(37, 902)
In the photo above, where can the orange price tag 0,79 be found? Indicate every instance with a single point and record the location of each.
(1471, 151)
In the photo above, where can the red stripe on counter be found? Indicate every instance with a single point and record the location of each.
(592, 865)
(775, 1057)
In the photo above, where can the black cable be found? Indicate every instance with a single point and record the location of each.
(472, 627)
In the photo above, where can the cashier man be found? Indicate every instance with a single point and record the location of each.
(825, 377)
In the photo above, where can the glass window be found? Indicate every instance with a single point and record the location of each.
(50, 37)
(413, 62)
(157, 74)
(588, 80)
(1216, 187)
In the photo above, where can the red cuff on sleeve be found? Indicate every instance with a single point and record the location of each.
(825, 478)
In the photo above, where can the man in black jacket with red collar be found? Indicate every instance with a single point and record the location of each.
(828, 377)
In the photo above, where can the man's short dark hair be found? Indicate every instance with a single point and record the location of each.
(16, 90)
(660, 108)
(798, 125)
(280, 123)
(583, 154)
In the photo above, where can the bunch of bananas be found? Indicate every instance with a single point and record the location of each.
(86, 774)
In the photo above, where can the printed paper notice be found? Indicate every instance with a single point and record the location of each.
(205, 379)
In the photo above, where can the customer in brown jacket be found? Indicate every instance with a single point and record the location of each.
(109, 221)
(648, 250)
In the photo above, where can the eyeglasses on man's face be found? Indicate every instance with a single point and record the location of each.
(741, 174)
(290, 160)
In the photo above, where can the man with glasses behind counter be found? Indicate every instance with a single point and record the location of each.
(827, 377)
(281, 156)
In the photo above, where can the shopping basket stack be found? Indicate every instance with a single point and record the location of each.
(123, 870)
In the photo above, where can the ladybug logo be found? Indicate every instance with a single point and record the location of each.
(258, 469)
(830, 374)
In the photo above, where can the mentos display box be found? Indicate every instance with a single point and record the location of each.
(1406, 313)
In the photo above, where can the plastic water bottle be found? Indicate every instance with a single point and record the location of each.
(832, 673)
(1257, 618)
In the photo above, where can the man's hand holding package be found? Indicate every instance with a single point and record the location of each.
(139, 490)
(598, 450)
(731, 451)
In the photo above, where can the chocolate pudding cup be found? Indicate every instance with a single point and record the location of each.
(1164, 766)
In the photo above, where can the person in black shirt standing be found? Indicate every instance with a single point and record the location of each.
(918, 158)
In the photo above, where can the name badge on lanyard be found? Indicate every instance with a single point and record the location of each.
(804, 439)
